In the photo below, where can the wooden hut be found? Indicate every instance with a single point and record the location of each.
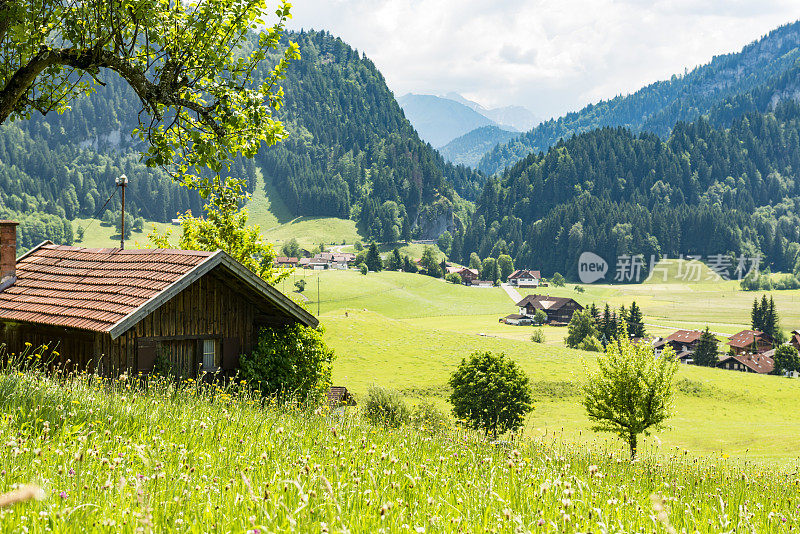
(117, 311)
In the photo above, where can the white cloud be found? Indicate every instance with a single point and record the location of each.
(552, 56)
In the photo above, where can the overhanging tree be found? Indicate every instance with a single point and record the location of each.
(190, 63)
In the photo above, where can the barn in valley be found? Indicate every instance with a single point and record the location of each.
(559, 310)
(116, 311)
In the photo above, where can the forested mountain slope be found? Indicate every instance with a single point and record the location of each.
(657, 107)
(352, 153)
(703, 191)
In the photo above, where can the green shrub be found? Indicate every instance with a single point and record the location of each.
(426, 416)
(384, 407)
(292, 361)
(540, 317)
(538, 335)
(591, 344)
(364, 270)
(453, 278)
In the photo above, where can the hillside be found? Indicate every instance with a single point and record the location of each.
(470, 147)
(370, 167)
(659, 106)
(703, 191)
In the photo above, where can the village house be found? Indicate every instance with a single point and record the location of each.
(750, 341)
(683, 343)
(328, 260)
(559, 310)
(748, 363)
(115, 311)
(525, 278)
(795, 339)
(286, 262)
(467, 275)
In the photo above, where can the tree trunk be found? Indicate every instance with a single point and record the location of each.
(632, 445)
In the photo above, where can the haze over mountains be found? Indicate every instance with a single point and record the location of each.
(441, 119)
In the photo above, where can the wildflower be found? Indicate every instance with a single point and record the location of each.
(63, 494)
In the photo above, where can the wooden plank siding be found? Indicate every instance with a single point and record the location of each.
(213, 307)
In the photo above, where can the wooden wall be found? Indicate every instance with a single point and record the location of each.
(213, 307)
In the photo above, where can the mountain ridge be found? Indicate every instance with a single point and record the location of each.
(660, 105)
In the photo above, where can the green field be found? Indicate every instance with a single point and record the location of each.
(408, 332)
(99, 236)
(106, 456)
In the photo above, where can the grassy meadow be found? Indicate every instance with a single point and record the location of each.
(408, 332)
(110, 457)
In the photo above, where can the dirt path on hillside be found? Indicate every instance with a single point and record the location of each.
(512, 293)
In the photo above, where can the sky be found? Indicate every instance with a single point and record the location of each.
(551, 56)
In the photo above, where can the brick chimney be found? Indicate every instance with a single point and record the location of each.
(8, 250)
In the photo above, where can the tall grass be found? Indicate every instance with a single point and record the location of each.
(113, 456)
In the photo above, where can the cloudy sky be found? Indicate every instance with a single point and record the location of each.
(551, 56)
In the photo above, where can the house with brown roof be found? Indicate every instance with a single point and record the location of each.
(525, 278)
(794, 340)
(284, 261)
(114, 311)
(761, 363)
(683, 343)
(467, 275)
(559, 310)
(750, 341)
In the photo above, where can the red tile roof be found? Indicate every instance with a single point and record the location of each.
(91, 288)
(685, 336)
(745, 338)
(525, 273)
(758, 363)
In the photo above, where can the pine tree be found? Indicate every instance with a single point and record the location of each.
(605, 324)
(706, 352)
(636, 321)
(373, 260)
(395, 260)
(756, 320)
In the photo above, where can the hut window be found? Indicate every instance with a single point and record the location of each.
(209, 353)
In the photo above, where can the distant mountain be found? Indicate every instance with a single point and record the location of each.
(440, 120)
(704, 191)
(470, 148)
(657, 107)
(509, 117)
(352, 153)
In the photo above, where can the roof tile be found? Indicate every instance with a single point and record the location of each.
(91, 288)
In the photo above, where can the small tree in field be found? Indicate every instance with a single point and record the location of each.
(490, 393)
(631, 391)
(580, 327)
(786, 360)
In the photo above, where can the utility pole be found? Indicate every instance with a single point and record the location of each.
(317, 294)
(122, 181)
